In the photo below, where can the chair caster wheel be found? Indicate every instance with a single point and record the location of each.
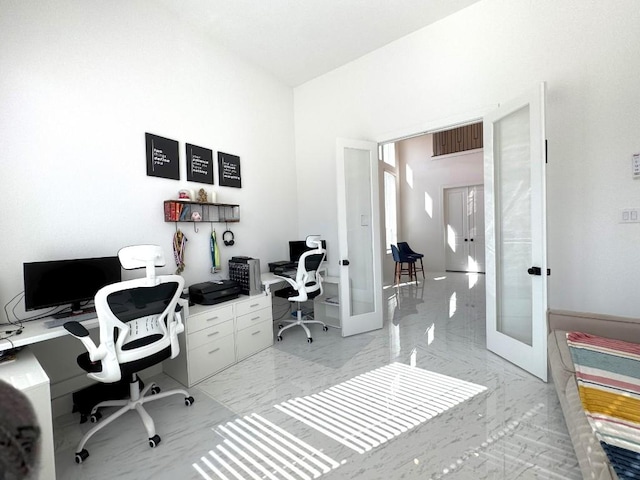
(309, 340)
(95, 417)
(279, 338)
(188, 401)
(155, 390)
(325, 328)
(81, 456)
(154, 441)
(280, 326)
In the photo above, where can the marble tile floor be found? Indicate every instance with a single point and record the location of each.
(511, 426)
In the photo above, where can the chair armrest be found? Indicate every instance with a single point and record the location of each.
(76, 329)
(290, 281)
(81, 333)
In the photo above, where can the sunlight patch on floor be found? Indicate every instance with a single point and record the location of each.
(254, 448)
(377, 406)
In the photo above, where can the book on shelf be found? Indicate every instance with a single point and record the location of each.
(185, 214)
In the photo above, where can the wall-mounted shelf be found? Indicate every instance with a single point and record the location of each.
(181, 211)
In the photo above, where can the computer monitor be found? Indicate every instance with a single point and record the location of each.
(67, 282)
(298, 247)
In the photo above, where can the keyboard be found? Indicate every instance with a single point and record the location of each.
(58, 322)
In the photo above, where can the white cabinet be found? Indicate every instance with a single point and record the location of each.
(217, 336)
(326, 307)
(254, 326)
(27, 375)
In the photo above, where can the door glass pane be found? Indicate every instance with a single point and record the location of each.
(513, 229)
(357, 165)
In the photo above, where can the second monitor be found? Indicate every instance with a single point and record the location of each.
(298, 247)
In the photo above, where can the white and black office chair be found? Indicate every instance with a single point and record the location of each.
(139, 325)
(305, 285)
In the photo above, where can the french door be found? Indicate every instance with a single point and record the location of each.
(516, 256)
(464, 229)
(359, 236)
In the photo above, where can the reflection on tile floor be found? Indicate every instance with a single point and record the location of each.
(512, 429)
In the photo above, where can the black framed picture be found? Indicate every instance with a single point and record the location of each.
(229, 170)
(199, 164)
(162, 157)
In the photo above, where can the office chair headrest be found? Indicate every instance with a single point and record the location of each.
(313, 241)
(138, 256)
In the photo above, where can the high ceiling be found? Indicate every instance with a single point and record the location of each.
(297, 40)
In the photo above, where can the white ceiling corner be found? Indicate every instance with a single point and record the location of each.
(298, 40)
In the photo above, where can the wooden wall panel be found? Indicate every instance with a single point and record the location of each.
(457, 140)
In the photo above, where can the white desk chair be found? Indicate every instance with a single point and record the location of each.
(139, 325)
(306, 285)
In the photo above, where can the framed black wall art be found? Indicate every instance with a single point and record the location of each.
(199, 164)
(229, 170)
(162, 157)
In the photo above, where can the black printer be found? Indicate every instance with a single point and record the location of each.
(210, 293)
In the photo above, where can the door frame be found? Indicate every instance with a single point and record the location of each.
(431, 127)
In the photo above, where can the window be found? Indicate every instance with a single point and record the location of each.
(387, 154)
(390, 210)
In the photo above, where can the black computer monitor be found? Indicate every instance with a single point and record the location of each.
(67, 282)
(298, 247)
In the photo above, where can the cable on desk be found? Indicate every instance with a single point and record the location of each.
(39, 316)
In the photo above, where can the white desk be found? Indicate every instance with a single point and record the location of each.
(36, 331)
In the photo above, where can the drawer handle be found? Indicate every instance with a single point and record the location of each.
(214, 350)
(212, 334)
(256, 332)
(254, 305)
(255, 318)
(211, 319)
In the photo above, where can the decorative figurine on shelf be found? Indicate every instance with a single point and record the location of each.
(185, 194)
(196, 217)
(202, 196)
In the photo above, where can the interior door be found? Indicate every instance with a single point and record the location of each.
(359, 237)
(516, 260)
(464, 229)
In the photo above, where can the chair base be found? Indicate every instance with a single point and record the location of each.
(136, 400)
(409, 270)
(299, 321)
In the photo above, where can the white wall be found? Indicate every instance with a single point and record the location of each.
(81, 82)
(458, 69)
(421, 209)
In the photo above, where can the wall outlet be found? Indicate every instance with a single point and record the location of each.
(630, 215)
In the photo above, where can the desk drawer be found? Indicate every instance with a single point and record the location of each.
(253, 304)
(211, 357)
(255, 338)
(253, 318)
(209, 318)
(214, 332)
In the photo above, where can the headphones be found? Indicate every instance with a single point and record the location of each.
(231, 240)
